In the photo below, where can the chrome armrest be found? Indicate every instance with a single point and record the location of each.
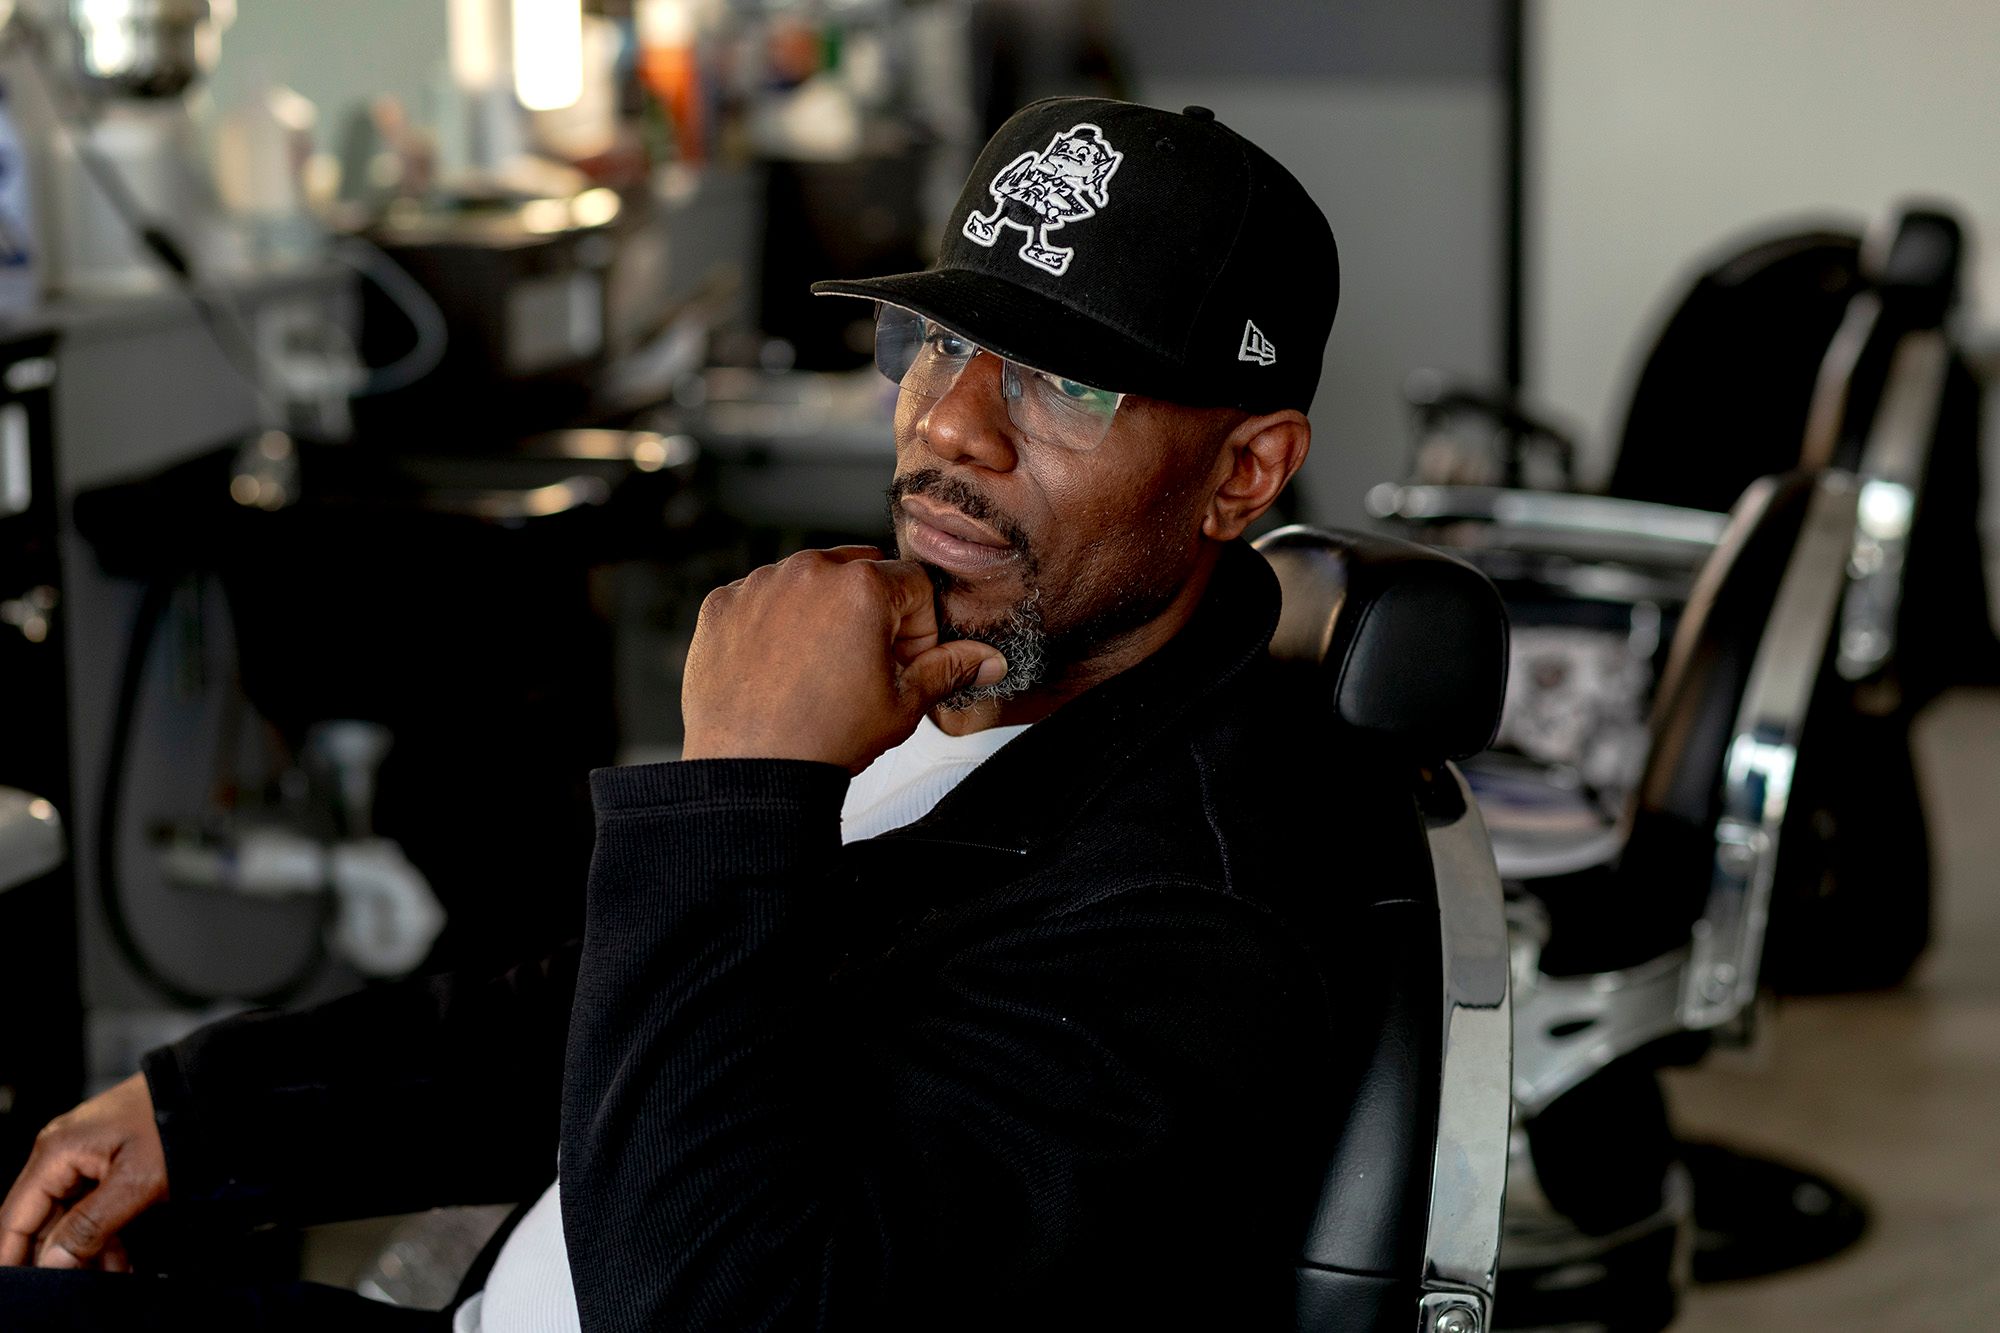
(1469, 1169)
(1763, 750)
(31, 838)
(1586, 526)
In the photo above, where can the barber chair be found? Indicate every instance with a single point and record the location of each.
(1409, 648)
(1814, 350)
(1641, 945)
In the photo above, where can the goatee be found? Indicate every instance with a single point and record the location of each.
(1019, 633)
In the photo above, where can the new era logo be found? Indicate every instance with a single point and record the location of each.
(1256, 347)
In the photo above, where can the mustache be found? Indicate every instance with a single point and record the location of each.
(933, 484)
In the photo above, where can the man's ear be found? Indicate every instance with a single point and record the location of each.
(1256, 460)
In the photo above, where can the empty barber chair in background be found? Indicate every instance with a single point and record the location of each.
(1810, 350)
(1640, 945)
(1409, 648)
(1897, 406)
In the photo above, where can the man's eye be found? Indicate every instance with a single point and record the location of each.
(946, 343)
(1081, 393)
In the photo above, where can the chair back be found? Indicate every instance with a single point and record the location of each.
(1724, 391)
(1410, 650)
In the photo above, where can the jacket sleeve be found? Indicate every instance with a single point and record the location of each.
(426, 1092)
(1007, 1139)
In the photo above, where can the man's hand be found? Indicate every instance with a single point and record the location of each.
(92, 1171)
(829, 655)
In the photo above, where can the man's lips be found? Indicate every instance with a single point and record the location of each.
(953, 523)
(951, 540)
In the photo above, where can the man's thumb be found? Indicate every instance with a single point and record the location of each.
(953, 666)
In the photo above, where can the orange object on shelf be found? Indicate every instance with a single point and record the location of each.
(673, 75)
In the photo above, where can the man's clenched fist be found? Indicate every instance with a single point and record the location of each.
(92, 1171)
(828, 655)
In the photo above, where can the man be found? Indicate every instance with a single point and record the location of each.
(1045, 1036)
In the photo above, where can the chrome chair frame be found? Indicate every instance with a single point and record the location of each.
(1469, 1164)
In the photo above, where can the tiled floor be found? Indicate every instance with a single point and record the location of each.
(1897, 1095)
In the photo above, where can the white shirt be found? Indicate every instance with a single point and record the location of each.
(530, 1290)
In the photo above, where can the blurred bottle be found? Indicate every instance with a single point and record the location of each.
(670, 67)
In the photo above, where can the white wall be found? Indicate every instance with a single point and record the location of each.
(1657, 130)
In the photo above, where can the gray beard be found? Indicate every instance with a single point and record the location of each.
(1034, 655)
(1021, 634)
(1021, 638)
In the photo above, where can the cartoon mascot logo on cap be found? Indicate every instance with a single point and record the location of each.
(1042, 192)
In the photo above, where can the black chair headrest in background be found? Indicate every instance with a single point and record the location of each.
(1722, 395)
(1413, 643)
(1915, 264)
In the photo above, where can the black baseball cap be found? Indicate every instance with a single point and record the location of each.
(1137, 250)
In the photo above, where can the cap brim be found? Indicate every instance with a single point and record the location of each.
(1025, 326)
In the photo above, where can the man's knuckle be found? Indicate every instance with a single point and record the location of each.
(863, 589)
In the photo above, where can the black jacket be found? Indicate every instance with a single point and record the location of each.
(1067, 1052)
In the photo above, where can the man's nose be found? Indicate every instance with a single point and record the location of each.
(968, 422)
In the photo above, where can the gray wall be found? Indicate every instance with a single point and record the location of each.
(337, 53)
(1392, 116)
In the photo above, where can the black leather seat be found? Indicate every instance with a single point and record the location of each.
(1410, 651)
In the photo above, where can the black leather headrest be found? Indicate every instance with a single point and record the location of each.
(1916, 268)
(1412, 643)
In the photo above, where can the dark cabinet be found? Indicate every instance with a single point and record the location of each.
(41, 1035)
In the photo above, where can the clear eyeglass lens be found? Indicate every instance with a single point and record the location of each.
(1048, 407)
(926, 359)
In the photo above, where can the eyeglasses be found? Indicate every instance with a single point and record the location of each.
(925, 358)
